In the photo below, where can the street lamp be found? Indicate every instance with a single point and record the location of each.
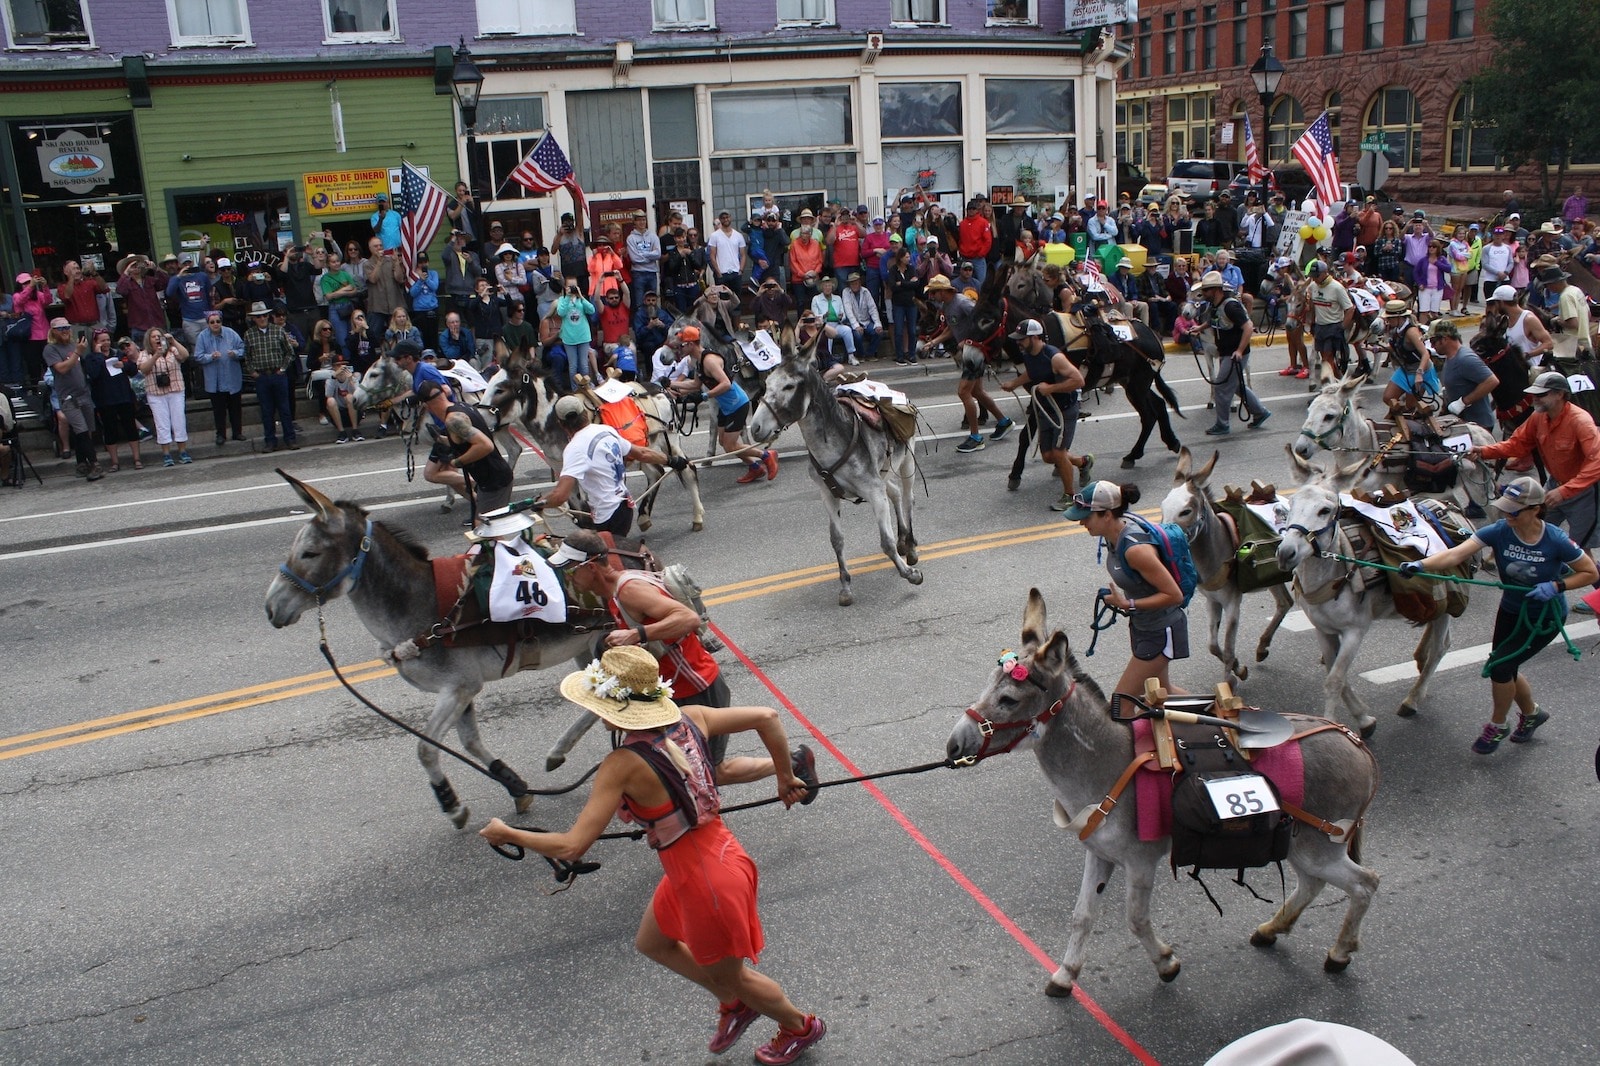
(1267, 73)
(467, 82)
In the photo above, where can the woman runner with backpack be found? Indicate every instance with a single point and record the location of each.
(1143, 581)
(702, 922)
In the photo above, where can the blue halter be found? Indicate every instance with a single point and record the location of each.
(352, 570)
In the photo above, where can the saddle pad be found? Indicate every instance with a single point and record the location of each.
(865, 408)
(449, 582)
(1399, 524)
(1283, 765)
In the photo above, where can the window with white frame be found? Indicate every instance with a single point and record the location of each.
(806, 13)
(812, 116)
(202, 22)
(48, 23)
(526, 18)
(683, 14)
(355, 21)
(917, 12)
(1013, 12)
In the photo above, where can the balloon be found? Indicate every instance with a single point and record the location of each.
(1306, 231)
(1321, 233)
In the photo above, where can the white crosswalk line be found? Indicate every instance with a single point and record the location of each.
(1476, 655)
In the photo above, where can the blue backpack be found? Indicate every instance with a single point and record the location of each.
(1174, 547)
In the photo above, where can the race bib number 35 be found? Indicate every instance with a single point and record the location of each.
(1238, 797)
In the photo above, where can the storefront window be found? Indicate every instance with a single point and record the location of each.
(1030, 106)
(238, 222)
(920, 109)
(79, 185)
(933, 168)
(1033, 168)
(510, 114)
(746, 119)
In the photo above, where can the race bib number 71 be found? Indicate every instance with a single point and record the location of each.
(1239, 797)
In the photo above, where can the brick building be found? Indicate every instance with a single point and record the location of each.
(255, 120)
(1398, 67)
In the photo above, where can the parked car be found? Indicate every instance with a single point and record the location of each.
(1201, 179)
(1153, 194)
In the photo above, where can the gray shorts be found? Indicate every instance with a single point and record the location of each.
(1171, 642)
(1581, 516)
(1055, 425)
(1330, 338)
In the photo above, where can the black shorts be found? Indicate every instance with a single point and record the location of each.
(117, 423)
(735, 420)
(1508, 637)
(1330, 338)
(440, 452)
(1171, 642)
(618, 525)
(1055, 424)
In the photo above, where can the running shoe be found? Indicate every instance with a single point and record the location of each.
(1526, 724)
(167, 460)
(804, 761)
(787, 1046)
(185, 458)
(731, 1024)
(1086, 471)
(1063, 503)
(756, 472)
(1490, 740)
(358, 437)
(1001, 428)
(1219, 430)
(341, 440)
(973, 443)
(1260, 420)
(769, 460)
(1286, 372)
(1302, 373)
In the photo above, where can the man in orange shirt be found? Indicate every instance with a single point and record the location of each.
(977, 237)
(1565, 436)
(805, 260)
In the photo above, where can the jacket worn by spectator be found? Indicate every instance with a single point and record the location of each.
(222, 356)
(461, 271)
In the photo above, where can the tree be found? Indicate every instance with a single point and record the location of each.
(1537, 100)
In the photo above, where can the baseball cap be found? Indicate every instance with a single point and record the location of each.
(568, 406)
(1443, 327)
(224, 263)
(689, 333)
(60, 323)
(579, 547)
(411, 348)
(1028, 328)
(1521, 492)
(24, 277)
(1549, 381)
(1095, 496)
(1316, 266)
(429, 390)
(1505, 294)
(861, 209)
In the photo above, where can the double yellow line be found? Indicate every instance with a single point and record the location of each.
(307, 684)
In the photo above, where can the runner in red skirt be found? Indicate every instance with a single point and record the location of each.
(703, 921)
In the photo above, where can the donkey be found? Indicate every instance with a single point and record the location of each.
(849, 461)
(1189, 505)
(1342, 600)
(344, 552)
(1336, 423)
(1107, 359)
(1046, 701)
(657, 408)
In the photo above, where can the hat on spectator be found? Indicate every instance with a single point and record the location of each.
(1549, 381)
(895, 238)
(877, 220)
(1419, 215)
(1283, 262)
(259, 309)
(170, 257)
(1521, 492)
(1396, 309)
(907, 197)
(213, 313)
(1315, 267)
(224, 263)
(428, 390)
(1443, 327)
(807, 213)
(24, 277)
(1029, 327)
(939, 283)
(504, 249)
(1505, 294)
(855, 275)
(60, 323)
(861, 209)
(933, 241)
(1126, 262)
(1212, 280)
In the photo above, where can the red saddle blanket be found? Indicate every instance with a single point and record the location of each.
(449, 582)
(1283, 765)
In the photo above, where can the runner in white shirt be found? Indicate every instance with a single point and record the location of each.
(596, 458)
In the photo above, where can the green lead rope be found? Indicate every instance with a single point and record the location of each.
(1537, 620)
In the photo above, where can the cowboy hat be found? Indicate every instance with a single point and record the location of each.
(1396, 309)
(1021, 201)
(1551, 274)
(259, 310)
(1213, 280)
(624, 688)
(128, 260)
(939, 283)
(504, 522)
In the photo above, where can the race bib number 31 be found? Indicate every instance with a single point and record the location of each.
(1238, 797)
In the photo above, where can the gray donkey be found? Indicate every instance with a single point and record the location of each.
(1044, 700)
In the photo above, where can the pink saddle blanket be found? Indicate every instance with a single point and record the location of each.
(1283, 765)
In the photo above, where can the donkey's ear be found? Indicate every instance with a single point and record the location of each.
(1201, 476)
(1299, 469)
(1053, 656)
(1033, 618)
(1185, 462)
(325, 508)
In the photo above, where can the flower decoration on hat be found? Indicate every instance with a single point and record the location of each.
(608, 686)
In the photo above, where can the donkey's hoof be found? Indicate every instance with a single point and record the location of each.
(444, 508)
(914, 576)
(912, 557)
(459, 816)
(1333, 965)
(523, 802)
(1407, 710)
(1263, 940)
(697, 527)
(644, 523)
(553, 762)
(1369, 726)
(845, 599)
(1261, 654)
(1241, 671)
(1056, 990)
(1167, 969)
(1127, 464)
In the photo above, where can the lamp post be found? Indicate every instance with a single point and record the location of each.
(467, 82)
(1267, 72)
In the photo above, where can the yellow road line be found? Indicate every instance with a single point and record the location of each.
(374, 669)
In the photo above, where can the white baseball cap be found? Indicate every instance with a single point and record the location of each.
(1505, 294)
(1028, 328)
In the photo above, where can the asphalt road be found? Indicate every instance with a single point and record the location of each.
(215, 856)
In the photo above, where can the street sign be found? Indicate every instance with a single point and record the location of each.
(1377, 141)
(1372, 169)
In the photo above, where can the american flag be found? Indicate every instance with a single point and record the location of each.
(546, 169)
(1314, 149)
(421, 210)
(1252, 157)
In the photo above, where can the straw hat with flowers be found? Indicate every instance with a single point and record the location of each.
(625, 689)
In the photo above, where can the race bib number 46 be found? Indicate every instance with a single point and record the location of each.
(1239, 797)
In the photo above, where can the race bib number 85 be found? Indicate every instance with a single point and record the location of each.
(1239, 797)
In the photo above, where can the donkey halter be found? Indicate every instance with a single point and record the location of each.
(1017, 671)
(1321, 439)
(351, 570)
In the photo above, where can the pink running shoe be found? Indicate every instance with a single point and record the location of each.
(731, 1024)
(787, 1046)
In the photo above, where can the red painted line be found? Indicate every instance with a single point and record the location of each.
(1136, 1049)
